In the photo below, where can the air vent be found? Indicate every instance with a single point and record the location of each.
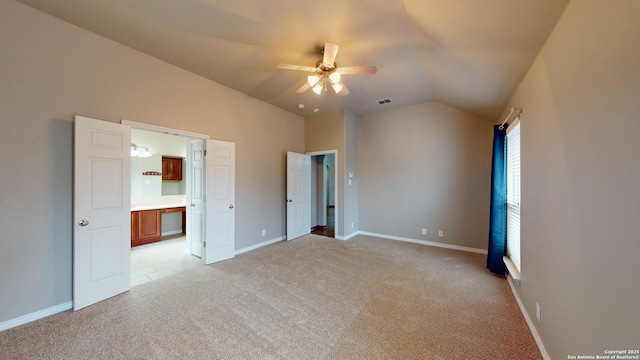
(384, 101)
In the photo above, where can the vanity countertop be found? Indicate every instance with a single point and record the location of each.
(156, 207)
(157, 202)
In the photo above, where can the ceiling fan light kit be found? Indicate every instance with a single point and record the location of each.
(326, 70)
(334, 77)
(313, 79)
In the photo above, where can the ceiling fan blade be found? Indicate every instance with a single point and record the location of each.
(297, 67)
(330, 52)
(344, 90)
(349, 70)
(303, 88)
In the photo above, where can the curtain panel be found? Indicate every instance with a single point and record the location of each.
(498, 212)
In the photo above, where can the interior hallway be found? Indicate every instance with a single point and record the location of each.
(330, 229)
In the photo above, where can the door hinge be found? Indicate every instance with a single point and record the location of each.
(205, 152)
(204, 243)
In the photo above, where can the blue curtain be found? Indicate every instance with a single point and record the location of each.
(498, 212)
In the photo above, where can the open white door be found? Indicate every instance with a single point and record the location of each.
(101, 210)
(298, 195)
(195, 209)
(220, 201)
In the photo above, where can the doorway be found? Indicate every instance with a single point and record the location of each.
(323, 193)
(210, 168)
(160, 182)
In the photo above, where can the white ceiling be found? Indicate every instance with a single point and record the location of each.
(470, 54)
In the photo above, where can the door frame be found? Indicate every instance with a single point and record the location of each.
(335, 181)
(171, 131)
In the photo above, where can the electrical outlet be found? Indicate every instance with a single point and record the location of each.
(538, 312)
(353, 225)
(424, 231)
(440, 233)
(264, 232)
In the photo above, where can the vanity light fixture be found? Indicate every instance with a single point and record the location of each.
(139, 151)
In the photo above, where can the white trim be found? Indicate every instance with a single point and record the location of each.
(162, 129)
(257, 246)
(336, 198)
(511, 267)
(425, 242)
(532, 328)
(323, 152)
(348, 236)
(35, 316)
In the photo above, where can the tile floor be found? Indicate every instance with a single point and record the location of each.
(156, 260)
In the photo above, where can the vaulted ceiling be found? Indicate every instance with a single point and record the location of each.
(470, 54)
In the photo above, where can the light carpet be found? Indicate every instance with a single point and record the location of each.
(311, 298)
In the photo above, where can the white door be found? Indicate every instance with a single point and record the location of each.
(298, 195)
(195, 209)
(101, 210)
(220, 201)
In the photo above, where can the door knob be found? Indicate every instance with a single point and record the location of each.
(83, 223)
(231, 206)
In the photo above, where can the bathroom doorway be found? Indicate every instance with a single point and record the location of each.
(159, 183)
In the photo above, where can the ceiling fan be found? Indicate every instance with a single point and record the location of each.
(326, 72)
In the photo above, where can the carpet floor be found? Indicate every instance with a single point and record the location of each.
(311, 298)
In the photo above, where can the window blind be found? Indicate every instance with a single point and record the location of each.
(513, 194)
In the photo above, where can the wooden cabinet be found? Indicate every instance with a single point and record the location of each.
(171, 168)
(146, 226)
(134, 228)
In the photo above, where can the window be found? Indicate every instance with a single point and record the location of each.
(513, 193)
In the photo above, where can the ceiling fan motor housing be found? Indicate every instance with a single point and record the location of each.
(322, 68)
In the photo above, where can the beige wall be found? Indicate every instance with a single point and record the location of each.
(50, 71)
(351, 166)
(425, 166)
(580, 142)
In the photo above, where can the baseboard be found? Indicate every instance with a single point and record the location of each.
(527, 318)
(347, 237)
(425, 242)
(257, 246)
(35, 316)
